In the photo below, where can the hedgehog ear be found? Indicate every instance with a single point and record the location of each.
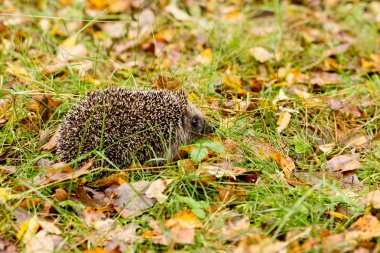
(182, 97)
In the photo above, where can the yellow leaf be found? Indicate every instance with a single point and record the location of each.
(233, 81)
(28, 229)
(5, 194)
(17, 71)
(205, 57)
(338, 215)
(70, 42)
(283, 121)
(186, 219)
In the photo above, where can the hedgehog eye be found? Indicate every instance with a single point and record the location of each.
(194, 122)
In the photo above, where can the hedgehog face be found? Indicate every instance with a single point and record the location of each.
(195, 123)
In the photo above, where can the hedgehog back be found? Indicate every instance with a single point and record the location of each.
(124, 124)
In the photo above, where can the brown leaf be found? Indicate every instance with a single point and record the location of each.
(113, 179)
(131, 196)
(113, 29)
(343, 106)
(7, 247)
(167, 82)
(325, 78)
(369, 225)
(229, 226)
(59, 172)
(231, 192)
(262, 149)
(7, 169)
(259, 243)
(337, 50)
(344, 163)
(232, 151)
(165, 35)
(357, 141)
(373, 199)
(187, 166)
(52, 142)
(60, 194)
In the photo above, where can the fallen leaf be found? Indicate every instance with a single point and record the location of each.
(5, 195)
(7, 170)
(69, 50)
(114, 29)
(18, 71)
(60, 194)
(373, 199)
(7, 247)
(116, 6)
(205, 57)
(229, 226)
(42, 242)
(52, 142)
(263, 150)
(177, 13)
(185, 219)
(131, 197)
(180, 229)
(261, 54)
(357, 141)
(165, 35)
(223, 169)
(351, 181)
(231, 192)
(259, 243)
(122, 237)
(283, 121)
(156, 189)
(61, 171)
(187, 166)
(232, 151)
(325, 78)
(49, 226)
(234, 82)
(343, 106)
(337, 50)
(326, 148)
(167, 82)
(28, 229)
(344, 163)
(337, 215)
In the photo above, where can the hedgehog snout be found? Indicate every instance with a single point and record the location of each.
(208, 128)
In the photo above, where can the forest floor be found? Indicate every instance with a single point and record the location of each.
(292, 88)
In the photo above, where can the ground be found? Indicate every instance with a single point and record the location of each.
(292, 88)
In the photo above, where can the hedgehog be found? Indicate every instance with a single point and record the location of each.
(122, 126)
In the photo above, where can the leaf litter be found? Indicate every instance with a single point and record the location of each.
(265, 98)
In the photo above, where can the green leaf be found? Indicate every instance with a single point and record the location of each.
(70, 203)
(199, 212)
(214, 146)
(198, 153)
(189, 202)
(300, 146)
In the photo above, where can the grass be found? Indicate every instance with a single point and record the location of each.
(273, 206)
